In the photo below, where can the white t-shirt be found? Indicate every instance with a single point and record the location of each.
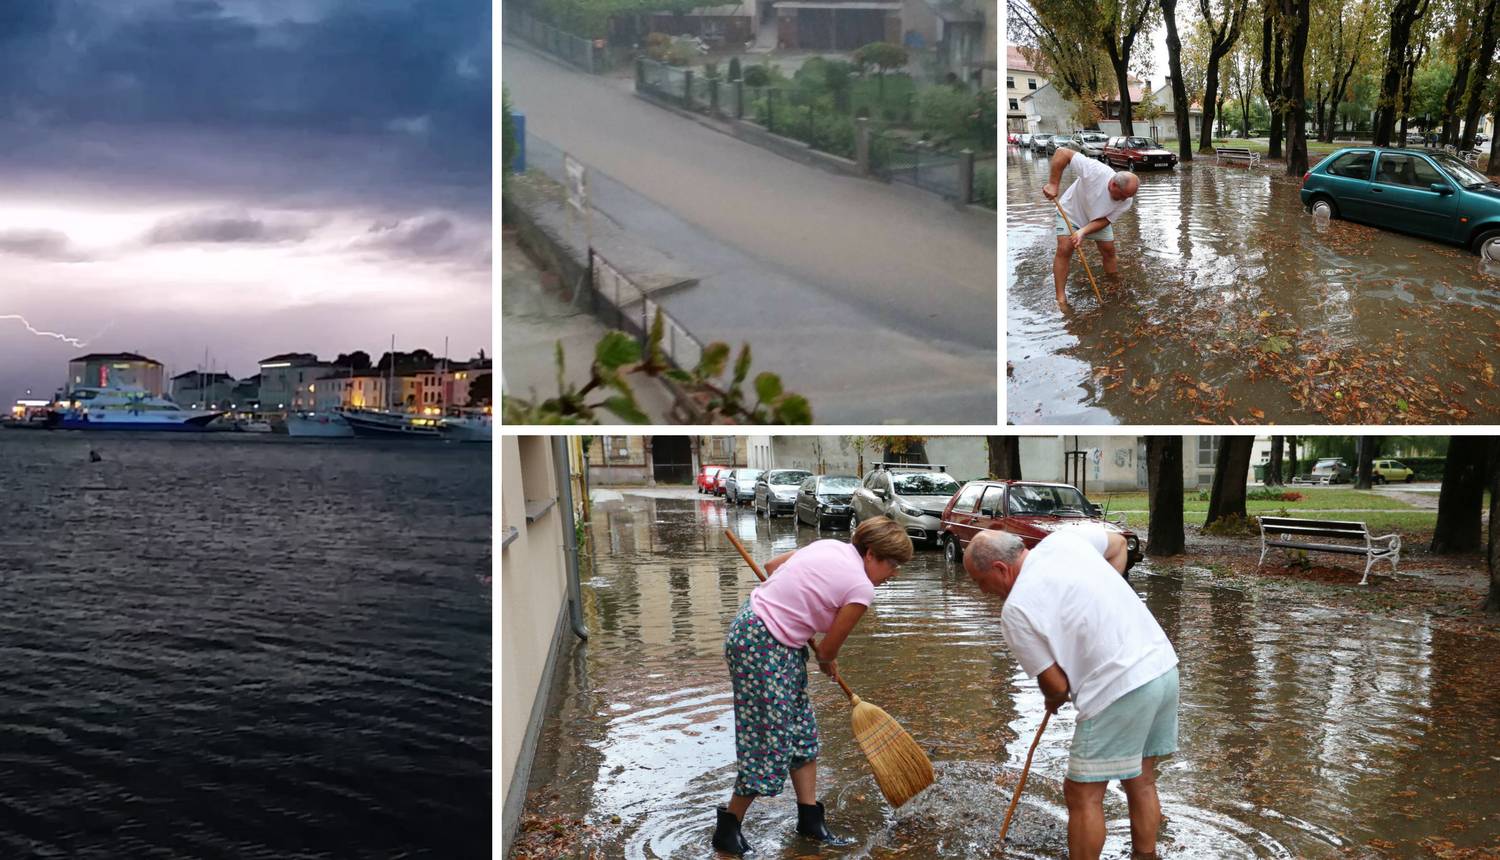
(1070, 607)
(1088, 197)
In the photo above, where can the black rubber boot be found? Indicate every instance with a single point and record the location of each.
(727, 835)
(810, 823)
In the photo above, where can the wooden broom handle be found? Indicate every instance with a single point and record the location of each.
(1022, 784)
(1082, 255)
(811, 643)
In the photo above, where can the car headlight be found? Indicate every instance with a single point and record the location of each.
(911, 511)
(1131, 543)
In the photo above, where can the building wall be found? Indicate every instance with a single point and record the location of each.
(147, 375)
(620, 461)
(919, 26)
(532, 609)
(1019, 83)
(1047, 112)
(186, 392)
(290, 388)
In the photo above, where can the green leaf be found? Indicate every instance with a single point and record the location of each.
(653, 341)
(626, 408)
(715, 356)
(742, 364)
(678, 375)
(1276, 344)
(617, 349)
(562, 384)
(767, 386)
(1402, 405)
(794, 409)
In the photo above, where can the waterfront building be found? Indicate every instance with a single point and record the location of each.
(201, 390)
(245, 395)
(286, 381)
(116, 370)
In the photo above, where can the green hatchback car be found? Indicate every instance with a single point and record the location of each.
(1412, 190)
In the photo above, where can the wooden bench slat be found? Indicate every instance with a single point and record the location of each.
(1295, 533)
(1325, 547)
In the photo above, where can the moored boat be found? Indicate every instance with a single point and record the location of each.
(127, 408)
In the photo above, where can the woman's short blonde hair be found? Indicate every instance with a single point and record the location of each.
(883, 538)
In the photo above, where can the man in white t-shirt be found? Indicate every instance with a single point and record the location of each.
(1076, 626)
(1095, 200)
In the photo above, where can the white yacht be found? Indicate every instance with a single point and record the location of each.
(128, 408)
(474, 425)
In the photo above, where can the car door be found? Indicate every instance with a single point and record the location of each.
(1402, 196)
(865, 502)
(991, 511)
(1347, 179)
(762, 489)
(807, 500)
(960, 522)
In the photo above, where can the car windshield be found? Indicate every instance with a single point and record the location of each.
(1462, 173)
(1095, 137)
(926, 484)
(838, 484)
(1139, 143)
(1044, 499)
(746, 474)
(782, 477)
(1324, 465)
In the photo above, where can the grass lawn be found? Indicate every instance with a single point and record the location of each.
(1329, 499)
(1314, 147)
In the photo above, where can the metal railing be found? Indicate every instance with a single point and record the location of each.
(620, 304)
(589, 55)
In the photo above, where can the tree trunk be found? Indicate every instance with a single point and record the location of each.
(1460, 501)
(1122, 80)
(1492, 602)
(1164, 491)
(1270, 75)
(1210, 101)
(1180, 105)
(1227, 498)
(1245, 114)
(1368, 449)
(1322, 102)
(1294, 86)
(1274, 477)
(1005, 457)
(1403, 14)
(1487, 40)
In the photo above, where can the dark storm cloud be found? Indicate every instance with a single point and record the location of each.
(40, 244)
(220, 227)
(412, 77)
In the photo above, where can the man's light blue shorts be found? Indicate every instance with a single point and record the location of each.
(1060, 227)
(1140, 724)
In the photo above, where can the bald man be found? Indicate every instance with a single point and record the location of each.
(1095, 200)
(1076, 626)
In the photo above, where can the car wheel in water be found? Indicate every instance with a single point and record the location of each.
(1487, 245)
(1323, 207)
(951, 550)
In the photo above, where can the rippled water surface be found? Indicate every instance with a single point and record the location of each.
(220, 647)
(1234, 304)
(1306, 733)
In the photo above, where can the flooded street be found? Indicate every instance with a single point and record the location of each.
(1235, 305)
(1305, 732)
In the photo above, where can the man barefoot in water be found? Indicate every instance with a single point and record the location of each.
(1093, 202)
(1076, 626)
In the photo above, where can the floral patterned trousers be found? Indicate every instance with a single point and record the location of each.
(775, 731)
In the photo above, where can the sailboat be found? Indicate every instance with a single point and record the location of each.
(391, 424)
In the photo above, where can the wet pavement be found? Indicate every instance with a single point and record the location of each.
(1306, 731)
(1235, 305)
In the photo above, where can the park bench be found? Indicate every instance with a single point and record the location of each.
(1320, 536)
(1230, 153)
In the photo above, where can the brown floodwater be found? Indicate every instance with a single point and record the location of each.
(1305, 732)
(1234, 304)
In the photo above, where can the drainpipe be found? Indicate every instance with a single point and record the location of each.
(570, 533)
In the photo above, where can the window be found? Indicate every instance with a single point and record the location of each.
(1010, 82)
(1355, 165)
(968, 497)
(1015, 105)
(1409, 170)
(1208, 452)
(990, 504)
(1031, 83)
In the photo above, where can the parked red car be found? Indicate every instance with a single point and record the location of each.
(708, 476)
(1012, 137)
(1134, 152)
(718, 487)
(1029, 510)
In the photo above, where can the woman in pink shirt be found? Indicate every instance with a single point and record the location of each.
(824, 588)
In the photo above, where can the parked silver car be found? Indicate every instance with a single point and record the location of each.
(739, 487)
(1039, 142)
(912, 495)
(826, 500)
(776, 491)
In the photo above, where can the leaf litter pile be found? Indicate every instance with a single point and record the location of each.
(1347, 325)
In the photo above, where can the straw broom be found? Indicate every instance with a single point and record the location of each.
(900, 767)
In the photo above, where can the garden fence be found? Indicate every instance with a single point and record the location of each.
(622, 305)
(590, 55)
(898, 159)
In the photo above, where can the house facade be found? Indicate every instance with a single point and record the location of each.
(116, 370)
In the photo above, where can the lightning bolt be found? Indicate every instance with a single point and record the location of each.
(71, 341)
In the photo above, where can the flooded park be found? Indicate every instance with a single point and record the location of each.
(1235, 305)
(1308, 730)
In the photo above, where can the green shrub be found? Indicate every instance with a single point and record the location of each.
(734, 68)
(984, 186)
(945, 111)
(757, 76)
(657, 45)
(1233, 525)
(508, 143)
(680, 53)
(832, 133)
(710, 70)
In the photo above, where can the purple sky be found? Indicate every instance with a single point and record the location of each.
(248, 177)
